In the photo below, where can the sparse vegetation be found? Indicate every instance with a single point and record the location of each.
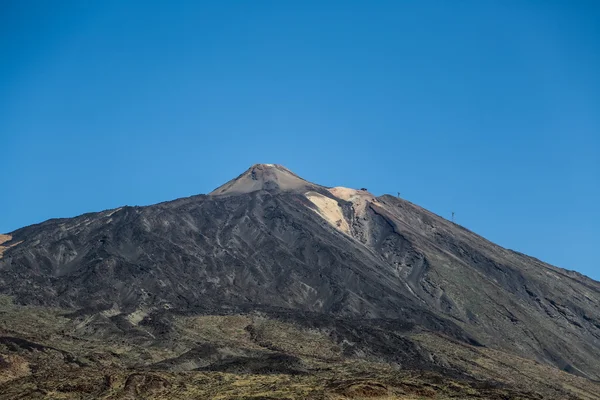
(52, 354)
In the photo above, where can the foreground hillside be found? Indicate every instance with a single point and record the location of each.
(52, 354)
(277, 287)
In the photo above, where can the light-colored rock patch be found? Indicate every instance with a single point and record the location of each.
(110, 213)
(4, 239)
(137, 316)
(114, 310)
(329, 210)
(359, 198)
(13, 367)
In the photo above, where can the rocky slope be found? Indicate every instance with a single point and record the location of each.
(370, 272)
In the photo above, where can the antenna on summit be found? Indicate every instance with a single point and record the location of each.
(398, 194)
(452, 216)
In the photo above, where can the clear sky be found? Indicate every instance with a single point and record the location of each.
(490, 109)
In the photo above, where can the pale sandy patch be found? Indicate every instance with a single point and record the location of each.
(137, 316)
(4, 239)
(114, 310)
(359, 198)
(13, 367)
(329, 210)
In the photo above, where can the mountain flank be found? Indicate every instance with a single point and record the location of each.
(279, 279)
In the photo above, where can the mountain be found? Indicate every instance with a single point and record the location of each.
(369, 279)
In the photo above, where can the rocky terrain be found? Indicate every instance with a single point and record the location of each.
(275, 287)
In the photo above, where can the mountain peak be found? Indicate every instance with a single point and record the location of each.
(263, 177)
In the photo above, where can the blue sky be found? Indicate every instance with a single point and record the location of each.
(490, 109)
